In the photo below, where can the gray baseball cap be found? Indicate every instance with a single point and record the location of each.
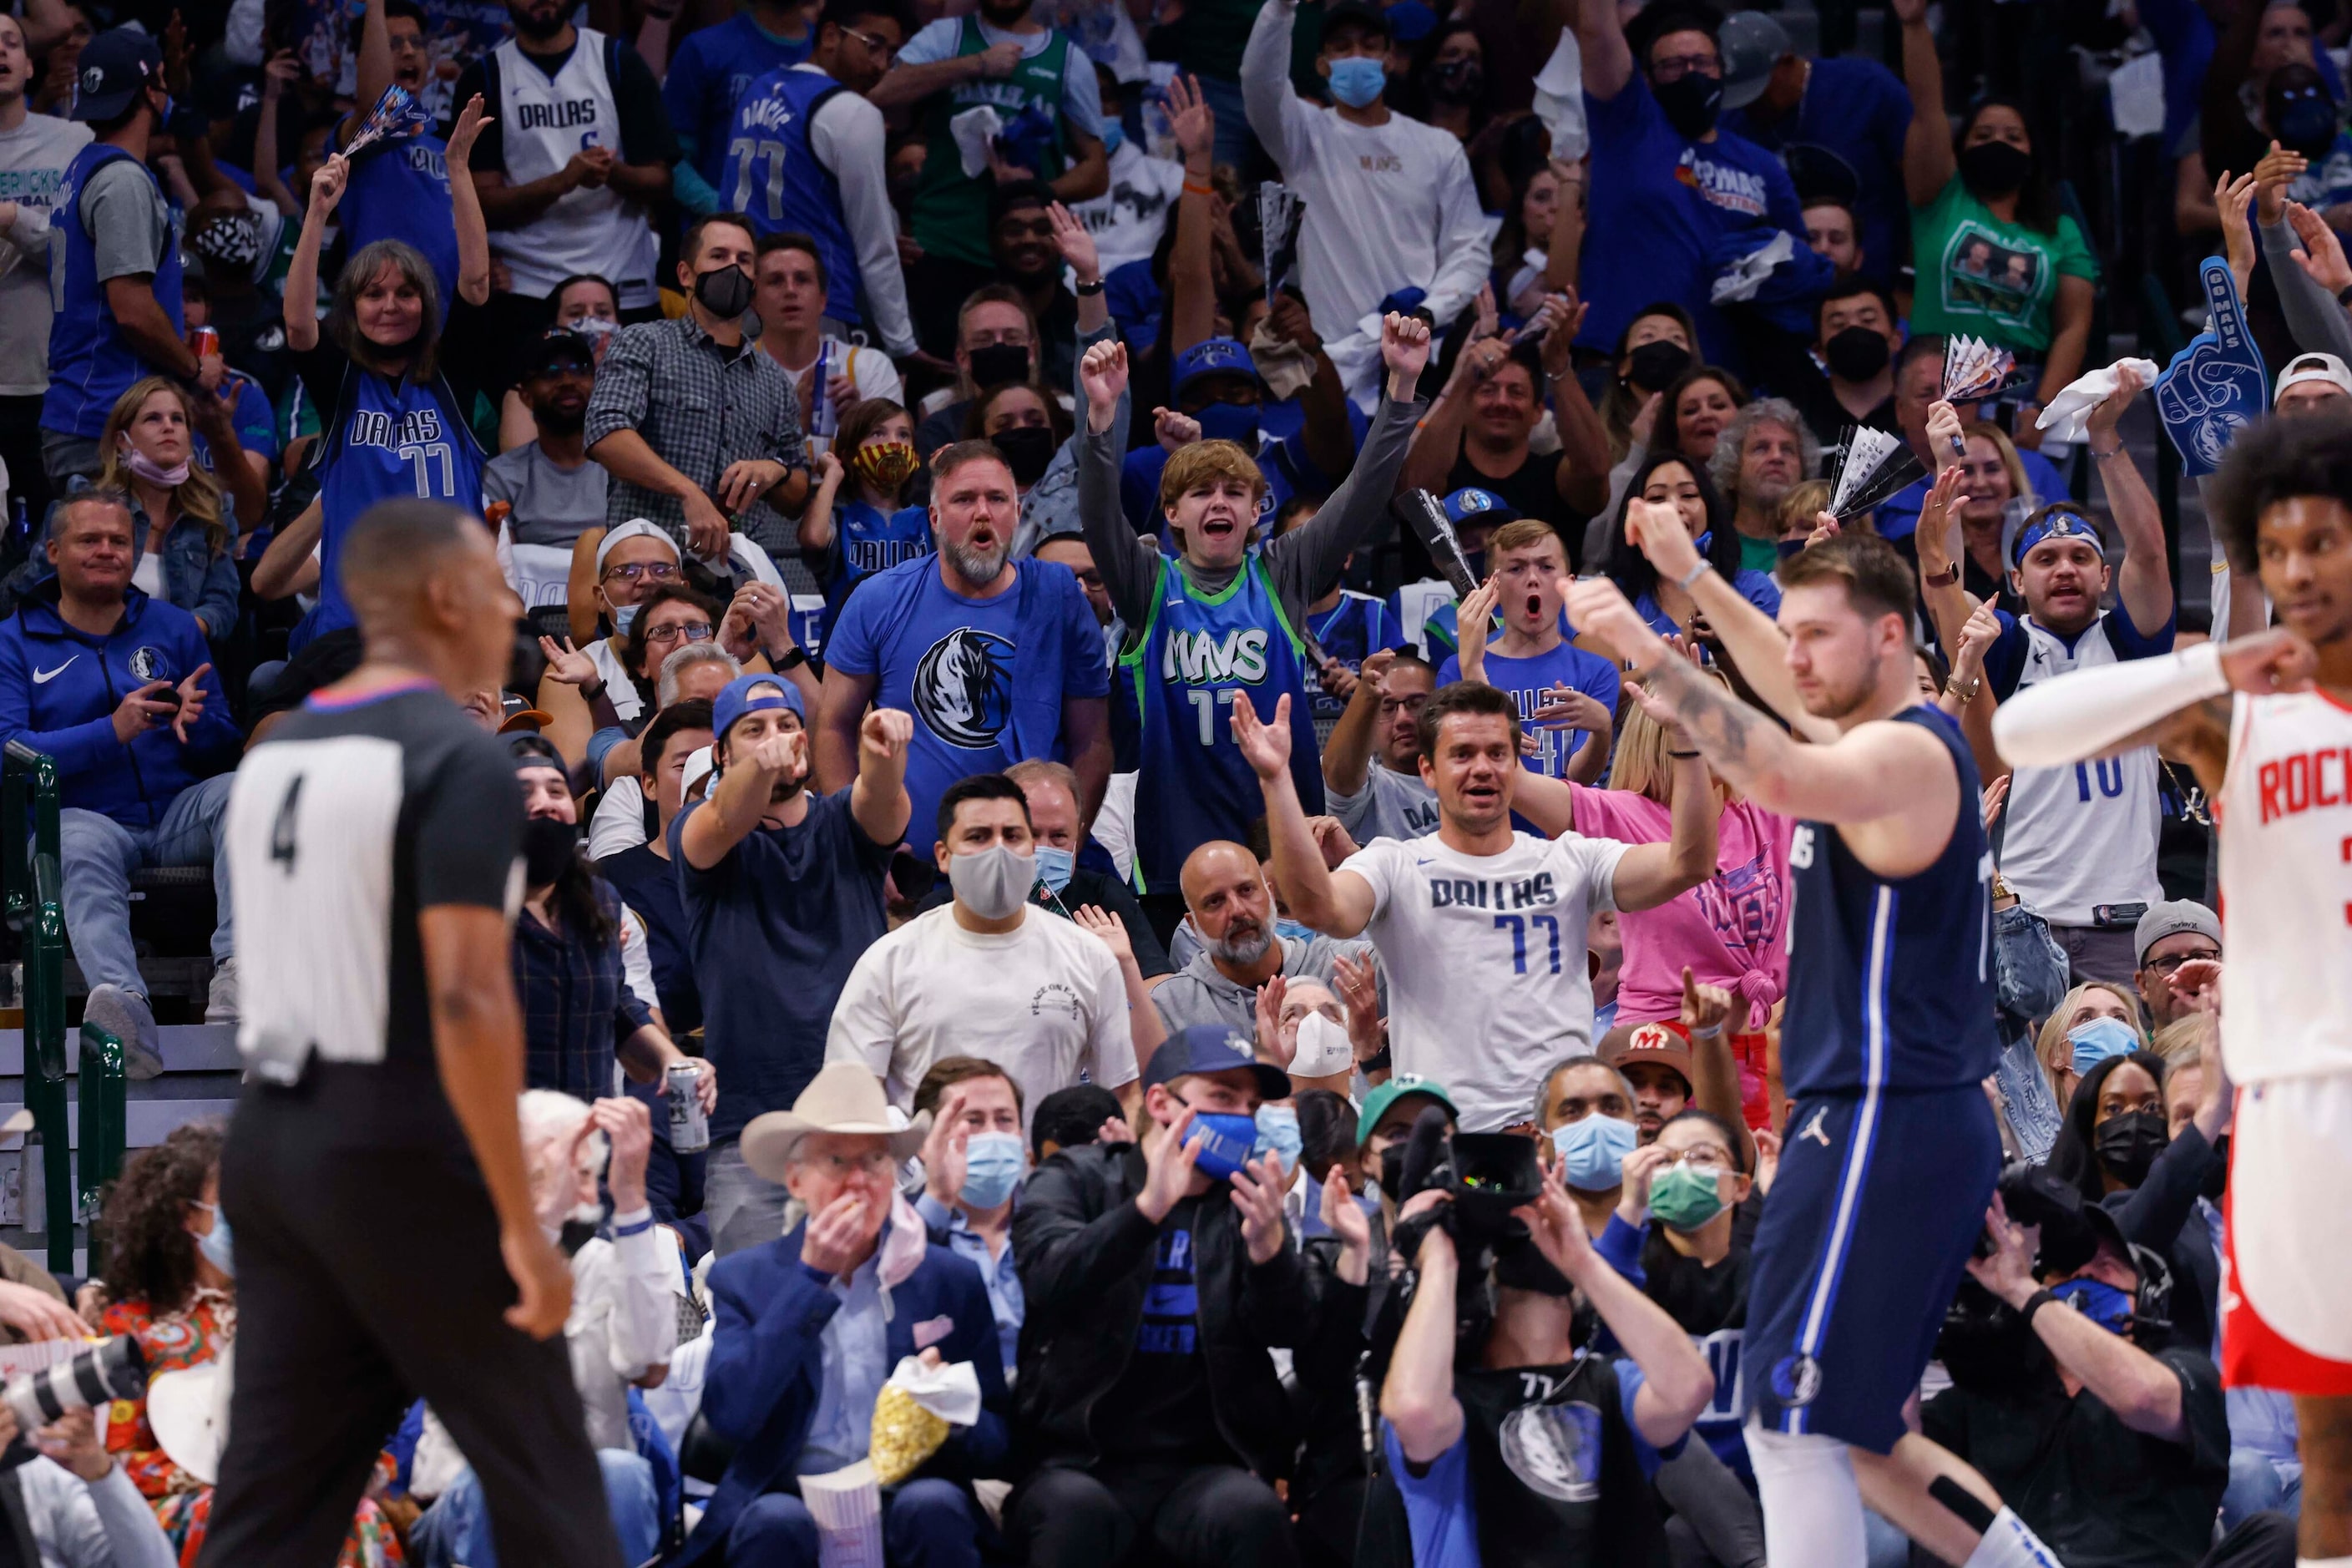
(1751, 44)
(2170, 919)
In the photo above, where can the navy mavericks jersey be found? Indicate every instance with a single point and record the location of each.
(1890, 984)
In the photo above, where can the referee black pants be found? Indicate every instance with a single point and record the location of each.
(367, 1275)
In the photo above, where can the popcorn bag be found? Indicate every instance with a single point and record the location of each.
(914, 1413)
(847, 1507)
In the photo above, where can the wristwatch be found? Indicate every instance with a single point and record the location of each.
(790, 658)
(1944, 579)
(1084, 291)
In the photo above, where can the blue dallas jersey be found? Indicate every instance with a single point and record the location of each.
(399, 190)
(709, 72)
(867, 540)
(771, 175)
(398, 443)
(1890, 983)
(91, 363)
(1198, 654)
(1350, 631)
(1527, 679)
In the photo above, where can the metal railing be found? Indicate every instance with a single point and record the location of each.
(35, 908)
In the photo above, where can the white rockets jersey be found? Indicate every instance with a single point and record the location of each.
(2286, 887)
(544, 121)
(2084, 835)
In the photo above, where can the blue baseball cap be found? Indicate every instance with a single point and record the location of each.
(1478, 509)
(754, 694)
(1213, 1048)
(2054, 523)
(114, 68)
(1410, 21)
(1212, 356)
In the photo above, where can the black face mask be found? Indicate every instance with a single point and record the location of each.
(1690, 102)
(1654, 366)
(2303, 120)
(724, 292)
(547, 847)
(1995, 169)
(998, 363)
(1028, 451)
(1857, 354)
(2128, 1143)
(1457, 81)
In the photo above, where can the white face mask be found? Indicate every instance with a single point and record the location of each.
(991, 882)
(1323, 1048)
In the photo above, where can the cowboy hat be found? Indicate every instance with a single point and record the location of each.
(843, 1097)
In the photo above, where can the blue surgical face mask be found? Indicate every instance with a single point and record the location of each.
(1225, 1139)
(1359, 80)
(1113, 134)
(1277, 1133)
(1236, 421)
(992, 1169)
(2101, 1303)
(2096, 1039)
(216, 1244)
(1055, 866)
(1299, 929)
(1592, 1152)
(623, 615)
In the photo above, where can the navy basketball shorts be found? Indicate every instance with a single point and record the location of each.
(1879, 1201)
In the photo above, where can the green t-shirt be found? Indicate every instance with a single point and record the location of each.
(1990, 279)
(1758, 555)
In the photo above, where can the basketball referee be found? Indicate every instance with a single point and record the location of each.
(385, 1243)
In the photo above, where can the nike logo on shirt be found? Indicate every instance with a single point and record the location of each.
(43, 677)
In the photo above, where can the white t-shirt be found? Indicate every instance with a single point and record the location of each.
(1127, 219)
(1485, 956)
(1043, 1001)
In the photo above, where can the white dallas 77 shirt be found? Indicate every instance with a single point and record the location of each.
(1487, 980)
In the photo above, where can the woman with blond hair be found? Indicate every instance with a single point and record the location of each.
(1993, 483)
(185, 524)
(2081, 1034)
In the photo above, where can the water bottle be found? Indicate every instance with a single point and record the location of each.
(825, 419)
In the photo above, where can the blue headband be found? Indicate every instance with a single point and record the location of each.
(2051, 524)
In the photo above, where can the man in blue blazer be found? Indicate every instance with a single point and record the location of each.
(810, 1325)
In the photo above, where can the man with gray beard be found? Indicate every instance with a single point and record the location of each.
(1000, 661)
(1228, 901)
(1765, 452)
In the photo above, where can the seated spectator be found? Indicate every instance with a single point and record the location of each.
(625, 1314)
(170, 1281)
(782, 891)
(692, 671)
(2064, 1059)
(1566, 697)
(552, 491)
(1856, 335)
(810, 1324)
(1765, 452)
(119, 690)
(1477, 431)
(76, 1502)
(2000, 259)
(580, 1012)
(599, 696)
(1153, 1293)
(857, 523)
(974, 1161)
(2105, 1433)
(2170, 934)
(1027, 427)
(1229, 900)
(1372, 761)
(643, 873)
(185, 522)
(1656, 346)
(988, 976)
(1069, 1118)
(1585, 1107)
(1697, 410)
(586, 306)
(790, 296)
(612, 570)
(996, 341)
(1668, 479)
(1834, 234)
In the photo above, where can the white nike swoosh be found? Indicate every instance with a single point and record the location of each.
(43, 677)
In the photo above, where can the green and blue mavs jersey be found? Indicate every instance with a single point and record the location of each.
(1197, 655)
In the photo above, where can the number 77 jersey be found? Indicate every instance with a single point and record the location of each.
(773, 176)
(1200, 653)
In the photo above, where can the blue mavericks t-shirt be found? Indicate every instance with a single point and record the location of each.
(1350, 631)
(708, 72)
(1847, 138)
(773, 932)
(1665, 202)
(1527, 679)
(950, 663)
(867, 540)
(1756, 587)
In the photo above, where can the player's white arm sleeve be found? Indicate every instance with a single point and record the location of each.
(2054, 722)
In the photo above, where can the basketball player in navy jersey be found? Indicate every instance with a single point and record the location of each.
(1891, 1151)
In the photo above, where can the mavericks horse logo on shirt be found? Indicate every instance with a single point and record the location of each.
(963, 688)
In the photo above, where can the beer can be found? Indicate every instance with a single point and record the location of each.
(204, 340)
(689, 1130)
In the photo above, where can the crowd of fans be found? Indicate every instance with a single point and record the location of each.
(979, 715)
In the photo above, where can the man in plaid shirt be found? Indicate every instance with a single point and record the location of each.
(693, 422)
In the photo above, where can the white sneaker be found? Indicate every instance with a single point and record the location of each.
(126, 1015)
(220, 1002)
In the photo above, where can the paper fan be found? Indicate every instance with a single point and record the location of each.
(1425, 515)
(1875, 466)
(1278, 209)
(395, 115)
(1974, 369)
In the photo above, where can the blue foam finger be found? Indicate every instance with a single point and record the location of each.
(2217, 385)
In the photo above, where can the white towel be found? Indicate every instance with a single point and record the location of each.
(2070, 411)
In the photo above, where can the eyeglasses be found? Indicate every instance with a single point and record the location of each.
(658, 570)
(874, 42)
(2173, 960)
(1705, 1157)
(692, 631)
(1674, 68)
(876, 1163)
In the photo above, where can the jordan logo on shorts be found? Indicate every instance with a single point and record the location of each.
(1814, 1128)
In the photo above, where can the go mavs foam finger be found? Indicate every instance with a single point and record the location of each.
(2216, 386)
